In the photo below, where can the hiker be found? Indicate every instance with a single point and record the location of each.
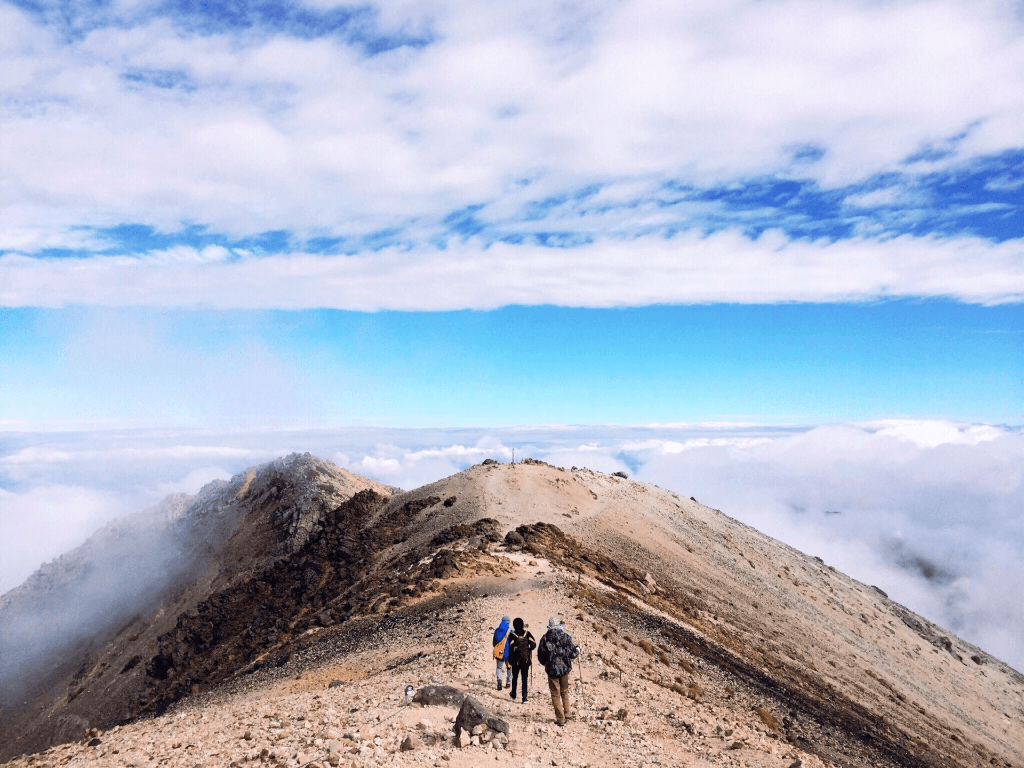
(500, 642)
(519, 652)
(556, 651)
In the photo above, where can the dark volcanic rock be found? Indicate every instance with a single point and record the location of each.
(439, 696)
(246, 623)
(473, 713)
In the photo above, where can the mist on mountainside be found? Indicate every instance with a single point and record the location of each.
(71, 605)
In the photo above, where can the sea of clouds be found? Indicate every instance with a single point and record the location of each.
(930, 511)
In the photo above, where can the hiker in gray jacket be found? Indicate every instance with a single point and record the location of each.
(556, 651)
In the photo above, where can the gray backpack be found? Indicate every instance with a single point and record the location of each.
(556, 652)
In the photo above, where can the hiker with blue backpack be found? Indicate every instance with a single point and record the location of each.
(556, 651)
(501, 650)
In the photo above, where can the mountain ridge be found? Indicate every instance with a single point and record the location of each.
(868, 681)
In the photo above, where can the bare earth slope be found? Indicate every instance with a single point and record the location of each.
(719, 645)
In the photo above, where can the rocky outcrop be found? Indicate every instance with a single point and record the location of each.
(242, 627)
(473, 714)
(439, 696)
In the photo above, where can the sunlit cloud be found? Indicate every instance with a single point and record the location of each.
(164, 145)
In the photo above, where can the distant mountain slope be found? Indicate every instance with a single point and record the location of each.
(310, 577)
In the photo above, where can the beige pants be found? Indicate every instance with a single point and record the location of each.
(559, 687)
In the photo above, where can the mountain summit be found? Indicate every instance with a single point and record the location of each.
(278, 617)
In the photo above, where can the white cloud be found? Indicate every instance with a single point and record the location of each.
(930, 511)
(46, 520)
(884, 196)
(688, 268)
(193, 481)
(410, 468)
(310, 135)
(933, 433)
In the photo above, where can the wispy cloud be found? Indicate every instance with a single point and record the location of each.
(281, 128)
(687, 268)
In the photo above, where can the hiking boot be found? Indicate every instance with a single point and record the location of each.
(560, 723)
(499, 685)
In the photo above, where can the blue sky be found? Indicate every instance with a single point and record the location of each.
(285, 214)
(406, 235)
(794, 363)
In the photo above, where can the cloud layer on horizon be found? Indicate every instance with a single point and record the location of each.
(930, 511)
(316, 155)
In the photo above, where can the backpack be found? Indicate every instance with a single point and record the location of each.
(521, 648)
(557, 652)
(499, 647)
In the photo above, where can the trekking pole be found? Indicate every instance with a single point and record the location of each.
(579, 668)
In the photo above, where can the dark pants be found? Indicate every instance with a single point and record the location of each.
(518, 670)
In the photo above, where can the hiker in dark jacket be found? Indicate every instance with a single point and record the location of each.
(501, 642)
(556, 651)
(520, 654)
